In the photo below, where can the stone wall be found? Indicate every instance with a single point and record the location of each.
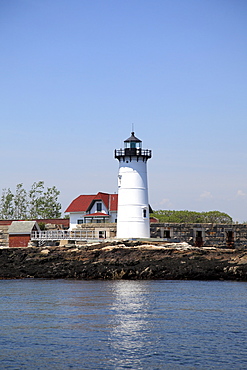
(207, 235)
(4, 236)
(201, 235)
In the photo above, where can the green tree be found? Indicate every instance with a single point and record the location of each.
(178, 216)
(20, 203)
(217, 217)
(192, 216)
(6, 204)
(36, 200)
(35, 204)
(44, 204)
(50, 208)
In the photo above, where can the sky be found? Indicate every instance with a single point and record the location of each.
(77, 75)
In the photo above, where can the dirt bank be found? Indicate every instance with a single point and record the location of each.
(127, 260)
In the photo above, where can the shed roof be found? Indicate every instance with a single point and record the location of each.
(23, 227)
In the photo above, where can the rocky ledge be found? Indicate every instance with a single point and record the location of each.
(125, 260)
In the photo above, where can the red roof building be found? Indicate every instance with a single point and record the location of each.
(95, 208)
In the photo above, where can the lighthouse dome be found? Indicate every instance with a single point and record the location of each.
(132, 142)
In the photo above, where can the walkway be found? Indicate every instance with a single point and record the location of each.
(63, 235)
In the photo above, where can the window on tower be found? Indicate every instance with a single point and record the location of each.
(119, 180)
(144, 213)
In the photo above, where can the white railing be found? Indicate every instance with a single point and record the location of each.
(63, 234)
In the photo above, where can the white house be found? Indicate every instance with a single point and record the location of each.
(95, 208)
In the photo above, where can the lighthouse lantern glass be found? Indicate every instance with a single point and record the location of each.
(132, 144)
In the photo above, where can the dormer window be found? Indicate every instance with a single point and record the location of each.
(99, 206)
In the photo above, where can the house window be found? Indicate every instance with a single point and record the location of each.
(79, 222)
(101, 234)
(99, 207)
(167, 234)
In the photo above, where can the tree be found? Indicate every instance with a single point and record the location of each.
(217, 217)
(6, 204)
(50, 207)
(36, 200)
(20, 203)
(178, 216)
(192, 217)
(34, 204)
(44, 204)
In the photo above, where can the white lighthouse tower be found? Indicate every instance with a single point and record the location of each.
(133, 206)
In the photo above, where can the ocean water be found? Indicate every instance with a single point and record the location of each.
(65, 324)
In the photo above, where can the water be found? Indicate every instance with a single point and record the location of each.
(63, 324)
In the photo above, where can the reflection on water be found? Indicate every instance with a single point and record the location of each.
(129, 334)
(122, 325)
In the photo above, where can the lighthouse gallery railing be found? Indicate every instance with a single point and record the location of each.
(133, 152)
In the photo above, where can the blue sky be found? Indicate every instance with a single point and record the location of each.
(75, 75)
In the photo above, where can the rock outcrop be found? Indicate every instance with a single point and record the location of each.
(124, 260)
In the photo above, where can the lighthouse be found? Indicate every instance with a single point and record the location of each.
(133, 206)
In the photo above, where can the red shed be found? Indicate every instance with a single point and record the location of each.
(20, 233)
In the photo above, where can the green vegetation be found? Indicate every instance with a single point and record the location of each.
(192, 217)
(33, 204)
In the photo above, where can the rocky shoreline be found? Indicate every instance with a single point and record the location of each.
(124, 260)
